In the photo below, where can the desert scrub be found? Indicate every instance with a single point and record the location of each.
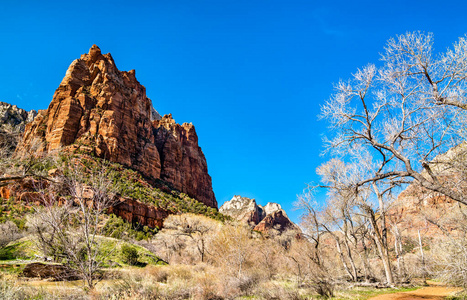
(116, 227)
(13, 210)
(129, 254)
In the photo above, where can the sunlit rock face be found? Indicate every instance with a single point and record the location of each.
(260, 218)
(12, 123)
(106, 112)
(183, 163)
(14, 118)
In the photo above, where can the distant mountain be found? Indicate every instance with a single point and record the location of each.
(13, 117)
(12, 123)
(260, 218)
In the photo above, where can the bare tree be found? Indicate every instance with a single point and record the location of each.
(405, 113)
(346, 197)
(234, 248)
(15, 167)
(198, 229)
(9, 232)
(69, 225)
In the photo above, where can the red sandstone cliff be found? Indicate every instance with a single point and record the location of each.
(179, 153)
(102, 110)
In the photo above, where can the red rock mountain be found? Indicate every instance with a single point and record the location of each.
(260, 218)
(102, 110)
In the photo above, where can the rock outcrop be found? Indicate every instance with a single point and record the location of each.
(275, 220)
(12, 122)
(101, 110)
(54, 271)
(260, 218)
(417, 208)
(12, 117)
(134, 211)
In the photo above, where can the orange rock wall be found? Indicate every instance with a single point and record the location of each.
(102, 110)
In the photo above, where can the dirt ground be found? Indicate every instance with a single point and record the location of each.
(427, 293)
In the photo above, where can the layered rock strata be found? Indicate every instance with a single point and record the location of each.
(104, 111)
(130, 210)
(260, 218)
(183, 163)
(134, 212)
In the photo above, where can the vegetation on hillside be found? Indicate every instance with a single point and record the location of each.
(392, 126)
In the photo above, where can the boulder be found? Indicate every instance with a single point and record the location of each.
(56, 272)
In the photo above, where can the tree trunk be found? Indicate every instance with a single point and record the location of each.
(341, 256)
(383, 251)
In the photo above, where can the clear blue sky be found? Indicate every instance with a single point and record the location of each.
(250, 75)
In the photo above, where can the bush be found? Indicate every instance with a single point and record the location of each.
(129, 254)
(324, 288)
(8, 232)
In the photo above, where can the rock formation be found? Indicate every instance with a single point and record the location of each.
(417, 208)
(101, 110)
(54, 271)
(12, 122)
(13, 117)
(134, 211)
(275, 220)
(260, 218)
(183, 162)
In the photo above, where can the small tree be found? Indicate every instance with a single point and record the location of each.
(233, 248)
(8, 233)
(197, 229)
(69, 225)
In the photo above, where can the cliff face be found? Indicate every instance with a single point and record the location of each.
(102, 110)
(417, 208)
(183, 163)
(260, 218)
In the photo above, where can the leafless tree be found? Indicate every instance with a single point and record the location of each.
(198, 229)
(9, 232)
(405, 112)
(69, 224)
(346, 198)
(233, 249)
(15, 167)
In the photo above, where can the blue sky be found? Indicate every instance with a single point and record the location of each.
(250, 75)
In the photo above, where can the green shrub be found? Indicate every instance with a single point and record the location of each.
(129, 254)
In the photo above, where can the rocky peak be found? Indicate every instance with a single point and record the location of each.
(106, 112)
(258, 217)
(12, 123)
(272, 207)
(14, 118)
(183, 163)
(243, 209)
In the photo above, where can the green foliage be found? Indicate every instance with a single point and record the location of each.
(131, 184)
(13, 251)
(129, 254)
(116, 227)
(15, 211)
